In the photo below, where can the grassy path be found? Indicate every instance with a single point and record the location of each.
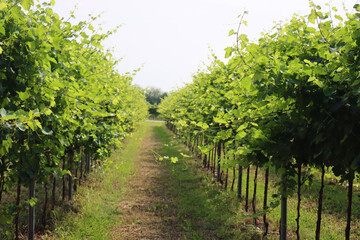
(166, 200)
(147, 210)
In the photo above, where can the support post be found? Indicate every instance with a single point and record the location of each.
(283, 221)
(239, 187)
(31, 217)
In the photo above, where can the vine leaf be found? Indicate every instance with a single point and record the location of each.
(26, 4)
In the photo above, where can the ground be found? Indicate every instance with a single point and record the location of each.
(148, 209)
(142, 194)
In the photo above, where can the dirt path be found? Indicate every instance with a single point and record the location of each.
(148, 210)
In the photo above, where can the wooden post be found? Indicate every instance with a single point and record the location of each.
(239, 187)
(218, 162)
(350, 196)
(266, 224)
(321, 194)
(247, 189)
(70, 180)
(31, 217)
(283, 221)
(87, 163)
(254, 194)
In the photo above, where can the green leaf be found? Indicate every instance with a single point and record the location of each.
(228, 52)
(204, 126)
(46, 131)
(338, 17)
(31, 125)
(241, 134)
(84, 35)
(174, 159)
(26, 4)
(257, 134)
(53, 60)
(183, 123)
(220, 120)
(312, 16)
(246, 82)
(47, 111)
(17, 12)
(38, 124)
(318, 83)
(20, 126)
(254, 124)
(59, 173)
(231, 32)
(3, 112)
(242, 127)
(357, 7)
(244, 38)
(311, 79)
(24, 95)
(7, 144)
(32, 201)
(3, 5)
(307, 61)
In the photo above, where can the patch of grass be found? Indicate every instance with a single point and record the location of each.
(333, 214)
(204, 210)
(207, 209)
(97, 202)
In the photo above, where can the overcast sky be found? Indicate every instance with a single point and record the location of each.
(171, 38)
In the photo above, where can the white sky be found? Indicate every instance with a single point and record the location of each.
(171, 38)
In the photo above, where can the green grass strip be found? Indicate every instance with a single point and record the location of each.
(205, 211)
(97, 202)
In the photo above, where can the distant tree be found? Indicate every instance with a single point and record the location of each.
(154, 95)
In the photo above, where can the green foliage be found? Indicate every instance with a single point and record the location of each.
(60, 93)
(290, 98)
(154, 95)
